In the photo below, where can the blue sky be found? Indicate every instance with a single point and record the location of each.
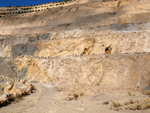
(24, 2)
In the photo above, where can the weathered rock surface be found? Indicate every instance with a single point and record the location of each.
(15, 91)
(74, 50)
(91, 43)
(115, 70)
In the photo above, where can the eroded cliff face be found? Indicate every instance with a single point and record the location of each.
(98, 43)
(76, 42)
(117, 70)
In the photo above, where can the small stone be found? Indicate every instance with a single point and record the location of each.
(28, 84)
(106, 102)
(69, 98)
(10, 97)
(8, 87)
(4, 99)
(116, 109)
(33, 91)
(19, 92)
(28, 91)
(16, 95)
(22, 81)
(23, 91)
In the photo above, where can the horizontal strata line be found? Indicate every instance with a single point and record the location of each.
(114, 8)
(85, 56)
(98, 18)
(100, 26)
(100, 7)
(91, 13)
(3, 37)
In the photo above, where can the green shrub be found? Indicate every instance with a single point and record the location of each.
(129, 94)
(131, 101)
(115, 104)
(75, 96)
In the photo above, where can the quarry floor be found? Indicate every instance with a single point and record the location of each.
(46, 99)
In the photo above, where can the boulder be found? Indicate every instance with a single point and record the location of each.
(16, 95)
(3, 99)
(8, 87)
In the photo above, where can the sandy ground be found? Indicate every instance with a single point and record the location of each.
(46, 100)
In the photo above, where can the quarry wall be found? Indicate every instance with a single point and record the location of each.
(99, 43)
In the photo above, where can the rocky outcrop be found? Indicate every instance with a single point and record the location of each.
(12, 85)
(15, 91)
(115, 70)
(78, 42)
(95, 43)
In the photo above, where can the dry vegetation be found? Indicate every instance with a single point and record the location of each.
(132, 104)
(11, 10)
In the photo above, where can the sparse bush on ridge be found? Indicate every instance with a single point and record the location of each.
(10, 11)
(75, 96)
(131, 105)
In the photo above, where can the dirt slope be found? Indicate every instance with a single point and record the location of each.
(92, 51)
(47, 100)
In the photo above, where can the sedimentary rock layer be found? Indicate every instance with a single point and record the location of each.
(103, 42)
(115, 70)
(76, 42)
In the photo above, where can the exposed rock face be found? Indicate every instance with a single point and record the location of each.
(81, 42)
(23, 49)
(7, 75)
(105, 42)
(12, 92)
(117, 70)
